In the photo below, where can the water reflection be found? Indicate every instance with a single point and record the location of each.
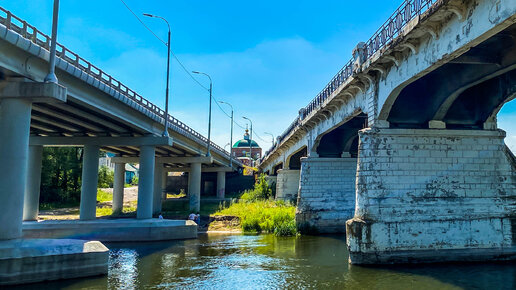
(268, 262)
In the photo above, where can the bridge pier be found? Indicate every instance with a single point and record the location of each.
(14, 136)
(90, 177)
(326, 194)
(146, 182)
(32, 260)
(287, 184)
(118, 187)
(433, 195)
(31, 197)
(221, 184)
(194, 186)
(158, 188)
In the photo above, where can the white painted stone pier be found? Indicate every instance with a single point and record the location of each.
(326, 194)
(287, 184)
(455, 185)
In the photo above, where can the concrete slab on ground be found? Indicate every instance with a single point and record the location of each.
(112, 230)
(35, 260)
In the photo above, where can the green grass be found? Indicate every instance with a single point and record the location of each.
(263, 216)
(103, 196)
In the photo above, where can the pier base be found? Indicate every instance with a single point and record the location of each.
(36, 260)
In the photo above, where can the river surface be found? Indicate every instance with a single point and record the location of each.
(269, 262)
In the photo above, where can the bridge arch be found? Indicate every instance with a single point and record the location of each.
(294, 160)
(483, 80)
(276, 168)
(342, 138)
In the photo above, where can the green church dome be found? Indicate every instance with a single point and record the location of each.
(245, 143)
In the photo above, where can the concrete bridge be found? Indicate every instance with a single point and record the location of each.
(87, 108)
(401, 150)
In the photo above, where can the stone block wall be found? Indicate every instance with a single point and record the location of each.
(326, 194)
(287, 184)
(433, 195)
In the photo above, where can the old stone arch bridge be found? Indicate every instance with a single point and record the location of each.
(401, 150)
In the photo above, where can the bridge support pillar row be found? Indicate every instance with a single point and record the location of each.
(326, 197)
(433, 195)
(221, 184)
(90, 178)
(118, 188)
(31, 198)
(287, 184)
(158, 188)
(194, 187)
(146, 182)
(14, 146)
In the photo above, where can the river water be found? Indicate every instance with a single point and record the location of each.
(269, 262)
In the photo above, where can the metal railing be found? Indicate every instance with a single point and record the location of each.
(406, 12)
(18, 25)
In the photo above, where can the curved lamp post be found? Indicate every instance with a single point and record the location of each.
(272, 137)
(165, 132)
(209, 116)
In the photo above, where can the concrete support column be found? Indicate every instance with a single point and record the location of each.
(221, 184)
(31, 199)
(287, 184)
(326, 197)
(118, 188)
(164, 185)
(194, 187)
(90, 178)
(146, 182)
(158, 188)
(433, 195)
(14, 147)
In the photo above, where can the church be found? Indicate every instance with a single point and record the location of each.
(246, 149)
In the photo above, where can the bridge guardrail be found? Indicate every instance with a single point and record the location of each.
(20, 26)
(389, 30)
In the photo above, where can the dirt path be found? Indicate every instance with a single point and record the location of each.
(130, 196)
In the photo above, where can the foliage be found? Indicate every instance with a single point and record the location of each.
(61, 175)
(261, 190)
(103, 196)
(134, 181)
(106, 177)
(264, 216)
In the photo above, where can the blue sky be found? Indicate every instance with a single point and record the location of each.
(267, 58)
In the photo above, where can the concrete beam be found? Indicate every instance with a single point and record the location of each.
(199, 159)
(102, 141)
(205, 169)
(193, 159)
(34, 91)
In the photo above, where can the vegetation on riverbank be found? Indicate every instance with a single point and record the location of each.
(259, 213)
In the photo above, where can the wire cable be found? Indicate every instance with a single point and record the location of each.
(180, 63)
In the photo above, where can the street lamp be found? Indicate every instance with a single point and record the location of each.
(165, 132)
(250, 141)
(209, 116)
(51, 76)
(272, 137)
(231, 138)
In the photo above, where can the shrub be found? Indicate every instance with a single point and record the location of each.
(264, 216)
(106, 177)
(261, 190)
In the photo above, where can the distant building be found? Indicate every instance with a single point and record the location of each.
(242, 150)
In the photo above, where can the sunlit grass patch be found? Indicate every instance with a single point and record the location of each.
(263, 216)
